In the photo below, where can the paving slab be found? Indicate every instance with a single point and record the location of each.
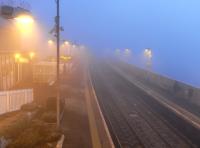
(75, 123)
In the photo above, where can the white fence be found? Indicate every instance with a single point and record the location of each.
(13, 100)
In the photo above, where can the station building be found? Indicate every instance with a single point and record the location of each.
(11, 70)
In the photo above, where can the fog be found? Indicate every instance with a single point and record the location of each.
(170, 28)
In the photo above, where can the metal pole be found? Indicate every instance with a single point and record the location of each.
(58, 61)
(18, 72)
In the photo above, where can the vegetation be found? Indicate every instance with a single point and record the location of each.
(35, 128)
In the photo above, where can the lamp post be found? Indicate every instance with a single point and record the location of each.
(58, 59)
(17, 57)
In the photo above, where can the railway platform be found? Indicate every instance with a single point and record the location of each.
(83, 123)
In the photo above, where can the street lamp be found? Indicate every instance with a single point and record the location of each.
(57, 30)
(66, 43)
(148, 54)
(24, 19)
(25, 24)
(50, 42)
(17, 56)
(127, 52)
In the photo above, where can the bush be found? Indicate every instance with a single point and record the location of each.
(29, 107)
(13, 130)
(34, 132)
(39, 133)
(49, 117)
(51, 104)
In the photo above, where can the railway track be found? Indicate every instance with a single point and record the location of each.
(124, 135)
(134, 123)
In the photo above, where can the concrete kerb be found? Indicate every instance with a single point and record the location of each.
(60, 142)
(111, 144)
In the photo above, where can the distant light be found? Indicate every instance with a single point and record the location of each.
(66, 43)
(69, 57)
(32, 55)
(17, 56)
(50, 42)
(23, 60)
(127, 52)
(148, 53)
(66, 58)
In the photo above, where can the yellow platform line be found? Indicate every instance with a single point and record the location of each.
(93, 126)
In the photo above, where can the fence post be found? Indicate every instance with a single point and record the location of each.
(7, 102)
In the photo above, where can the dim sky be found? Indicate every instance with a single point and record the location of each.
(170, 27)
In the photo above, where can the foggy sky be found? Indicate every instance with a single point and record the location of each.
(171, 28)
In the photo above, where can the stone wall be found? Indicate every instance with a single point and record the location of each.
(161, 83)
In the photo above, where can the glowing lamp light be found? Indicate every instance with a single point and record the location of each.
(127, 51)
(24, 19)
(31, 55)
(148, 53)
(17, 56)
(23, 60)
(66, 58)
(69, 57)
(50, 42)
(25, 24)
(66, 43)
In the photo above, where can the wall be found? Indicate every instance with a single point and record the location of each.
(163, 84)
